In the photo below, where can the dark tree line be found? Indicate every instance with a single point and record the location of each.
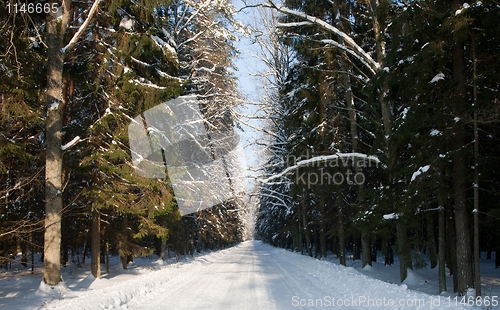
(413, 83)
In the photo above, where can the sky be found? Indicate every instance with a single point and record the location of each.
(250, 86)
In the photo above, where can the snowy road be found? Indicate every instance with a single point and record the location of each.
(253, 275)
(250, 278)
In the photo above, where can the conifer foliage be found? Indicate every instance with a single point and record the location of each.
(410, 83)
(73, 80)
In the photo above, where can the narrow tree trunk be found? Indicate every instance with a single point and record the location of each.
(24, 254)
(373, 247)
(431, 243)
(299, 225)
(85, 249)
(341, 237)
(442, 243)
(95, 261)
(295, 236)
(322, 238)
(356, 247)
(451, 243)
(32, 252)
(477, 249)
(387, 251)
(163, 248)
(107, 257)
(307, 234)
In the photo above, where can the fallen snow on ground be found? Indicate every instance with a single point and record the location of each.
(250, 275)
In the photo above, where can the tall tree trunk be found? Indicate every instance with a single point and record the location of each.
(387, 251)
(441, 243)
(301, 241)
(451, 243)
(163, 247)
(123, 250)
(366, 256)
(404, 252)
(431, 243)
(322, 238)
(341, 224)
(305, 226)
(107, 256)
(95, 261)
(356, 245)
(56, 29)
(477, 253)
(32, 252)
(462, 228)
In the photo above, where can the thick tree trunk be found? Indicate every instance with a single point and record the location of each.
(464, 263)
(366, 258)
(53, 140)
(462, 228)
(95, 261)
(404, 252)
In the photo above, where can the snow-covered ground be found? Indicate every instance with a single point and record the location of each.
(250, 275)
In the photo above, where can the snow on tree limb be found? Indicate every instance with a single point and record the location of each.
(82, 28)
(355, 49)
(344, 48)
(318, 159)
(70, 144)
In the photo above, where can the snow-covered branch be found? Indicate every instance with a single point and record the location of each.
(357, 51)
(70, 144)
(82, 28)
(317, 159)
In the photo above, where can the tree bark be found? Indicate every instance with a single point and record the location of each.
(53, 162)
(341, 237)
(477, 249)
(366, 256)
(441, 243)
(305, 226)
(404, 252)
(451, 243)
(431, 243)
(163, 248)
(95, 261)
(123, 250)
(462, 222)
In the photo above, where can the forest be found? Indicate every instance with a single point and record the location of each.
(378, 130)
(384, 121)
(72, 82)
